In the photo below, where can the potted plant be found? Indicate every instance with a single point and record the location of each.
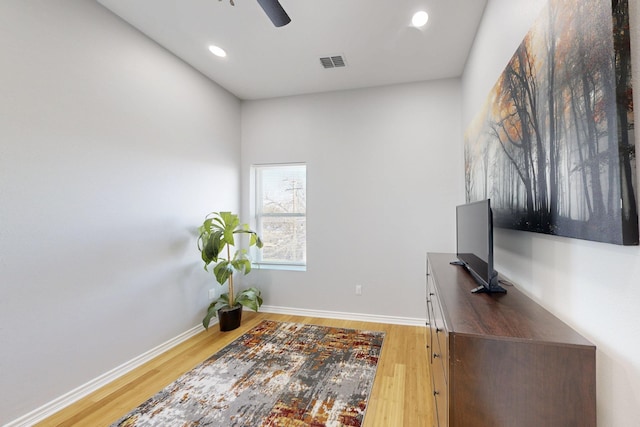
(218, 235)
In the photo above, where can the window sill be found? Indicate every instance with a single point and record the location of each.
(282, 267)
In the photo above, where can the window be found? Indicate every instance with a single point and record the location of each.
(281, 214)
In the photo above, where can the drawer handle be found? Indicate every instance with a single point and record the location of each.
(436, 355)
(431, 294)
(436, 392)
(438, 330)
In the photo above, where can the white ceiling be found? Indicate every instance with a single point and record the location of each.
(374, 36)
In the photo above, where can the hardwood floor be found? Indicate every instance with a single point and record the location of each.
(400, 395)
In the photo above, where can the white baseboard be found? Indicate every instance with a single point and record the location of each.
(67, 399)
(78, 393)
(394, 320)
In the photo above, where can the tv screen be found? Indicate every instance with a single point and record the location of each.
(474, 244)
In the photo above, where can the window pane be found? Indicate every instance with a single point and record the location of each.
(284, 239)
(284, 190)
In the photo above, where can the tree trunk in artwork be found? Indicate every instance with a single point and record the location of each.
(624, 98)
(588, 89)
(551, 106)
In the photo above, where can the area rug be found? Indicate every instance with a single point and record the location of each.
(277, 374)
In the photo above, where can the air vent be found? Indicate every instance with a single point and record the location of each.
(332, 61)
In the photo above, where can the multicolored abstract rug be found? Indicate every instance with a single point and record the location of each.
(277, 374)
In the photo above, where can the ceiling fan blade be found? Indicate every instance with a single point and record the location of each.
(275, 12)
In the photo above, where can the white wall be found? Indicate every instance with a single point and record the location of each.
(384, 173)
(111, 152)
(594, 287)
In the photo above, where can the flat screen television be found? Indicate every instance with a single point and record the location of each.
(474, 244)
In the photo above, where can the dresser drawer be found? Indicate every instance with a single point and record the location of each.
(440, 337)
(440, 392)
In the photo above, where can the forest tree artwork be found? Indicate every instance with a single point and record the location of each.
(554, 145)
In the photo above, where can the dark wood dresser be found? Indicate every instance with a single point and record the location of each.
(501, 360)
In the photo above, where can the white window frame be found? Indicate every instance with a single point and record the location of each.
(256, 204)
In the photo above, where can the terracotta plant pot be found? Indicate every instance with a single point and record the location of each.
(230, 318)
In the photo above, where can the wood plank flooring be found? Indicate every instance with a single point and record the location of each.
(400, 394)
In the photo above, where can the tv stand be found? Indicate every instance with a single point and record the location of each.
(494, 287)
(502, 360)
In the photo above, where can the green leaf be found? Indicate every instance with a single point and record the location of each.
(211, 246)
(230, 220)
(233, 221)
(222, 271)
(208, 249)
(243, 265)
(222, 299)
(254, 240)
(219, 225)
(250, 298)
(212, 311)
(250, 304)
(228, 237)
(207, 319)
(258, 295)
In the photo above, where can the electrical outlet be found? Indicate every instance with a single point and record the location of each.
(212, 294)
(358, 289)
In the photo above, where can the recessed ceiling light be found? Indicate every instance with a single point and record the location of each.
(420, 19)
(217, 51)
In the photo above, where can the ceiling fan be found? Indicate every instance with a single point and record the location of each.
(274, 11)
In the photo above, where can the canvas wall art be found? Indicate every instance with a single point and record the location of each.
(554, 147)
